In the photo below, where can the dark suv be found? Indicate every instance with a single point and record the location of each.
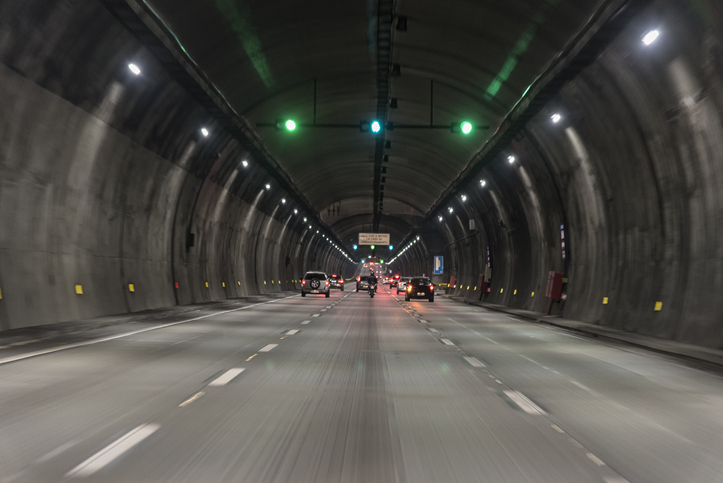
(337, 281)
(362, 283)
(316, 283)
(419, 288)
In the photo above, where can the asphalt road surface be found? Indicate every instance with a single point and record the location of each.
(350, 389)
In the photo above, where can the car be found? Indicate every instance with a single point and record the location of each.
(393, 281)
(402, 284)
(336, 281)
(362, 283)
(419, 288)
(315, 283)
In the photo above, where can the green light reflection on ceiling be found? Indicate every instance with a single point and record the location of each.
(248, 38)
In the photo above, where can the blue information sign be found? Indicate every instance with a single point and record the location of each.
(438, 265)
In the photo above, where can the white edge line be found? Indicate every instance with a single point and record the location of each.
(595, 459)
(114, 450)
(227, 377)
(21, 357)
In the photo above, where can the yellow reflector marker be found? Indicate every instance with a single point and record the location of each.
(239, 283)
(658, 306)
(1, 294)
(79, 289)
(279, 282)
(264, 282)
(515, 292)
(467, 287)
(272, 281)
(533, 294)
(223, 284)
(131, 287)
(206, 284)
(502, 290)
(475, 289)
(605, 300)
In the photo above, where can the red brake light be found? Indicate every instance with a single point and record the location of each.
(431, 287)
(334, 275)
(396, 277)
(358, 279)
(326, 283)
(303, 283)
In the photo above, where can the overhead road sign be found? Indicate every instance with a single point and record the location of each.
(374, 238)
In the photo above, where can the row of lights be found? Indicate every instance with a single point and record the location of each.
(647, 39)
(409, 245)
(290, 125)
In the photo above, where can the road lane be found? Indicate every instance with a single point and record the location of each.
(369, 390)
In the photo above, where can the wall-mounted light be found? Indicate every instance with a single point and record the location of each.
(134, 68)
(440, 218)
(283, 201)
(464, 198)
(296, 212)
(651, 37)
(482, 183)
(245, 163)
(556, 118)
(204, 131)
(450, 209)
(304, 219)
(268, 186)
(511, 159)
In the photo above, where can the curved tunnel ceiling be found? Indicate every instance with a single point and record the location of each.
(270, 63)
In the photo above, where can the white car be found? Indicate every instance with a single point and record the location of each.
(402, 284)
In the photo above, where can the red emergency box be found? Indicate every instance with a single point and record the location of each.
(554, 286)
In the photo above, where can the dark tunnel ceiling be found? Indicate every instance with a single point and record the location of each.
(264, 56)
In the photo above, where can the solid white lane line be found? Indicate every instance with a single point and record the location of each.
(316, 315)
(474, 362)
(447, 342)
(267, 348)
(191, 399)
(525, 404)
(28, 355)
(292, 332)
(305, 322)
(113, 451)
(558, 429)
(595, 459)
(227, 377)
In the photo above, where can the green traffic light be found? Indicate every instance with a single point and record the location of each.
(466, 127)
(372, 247)
(290, 125)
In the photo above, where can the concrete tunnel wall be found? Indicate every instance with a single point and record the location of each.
(634, 173)
(103, 174)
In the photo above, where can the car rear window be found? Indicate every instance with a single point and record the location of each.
(420, 281)
(315, 275)
(363, 279)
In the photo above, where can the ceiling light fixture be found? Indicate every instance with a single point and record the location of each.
(134, 68)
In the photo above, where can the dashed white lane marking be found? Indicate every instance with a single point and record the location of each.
(322, 310)
(558, 429)
(57, 451)
(21, 357)
(498, 381)
(432, 329)
(615, 479)
(305, 322)
(525, 404)
(191, 399)
(595, 459)
(474, 362)
(113, 451)
(268, 348)
(316, 315)
(583, 387)
(292, 332)
(447, 342)
(227, 377)
(423, 321)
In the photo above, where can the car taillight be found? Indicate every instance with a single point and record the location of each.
(431, 287)
(303, 283)
(358, 279)
(327, 283)
(409, 288)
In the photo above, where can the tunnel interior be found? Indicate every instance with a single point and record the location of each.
(595, 152)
